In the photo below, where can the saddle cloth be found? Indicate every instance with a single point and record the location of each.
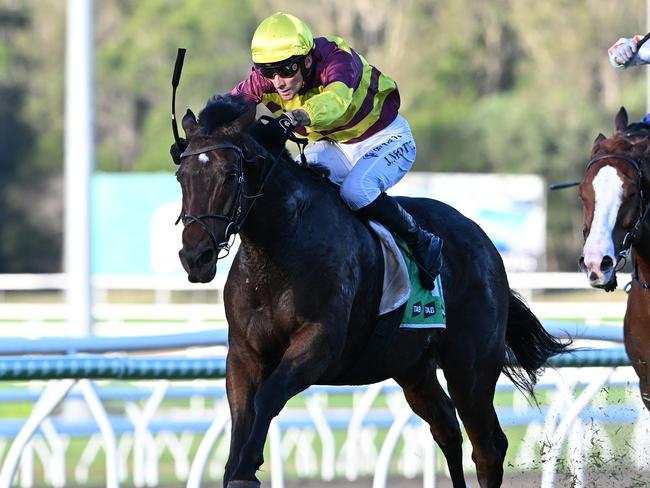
(426, 308)
(397, 287)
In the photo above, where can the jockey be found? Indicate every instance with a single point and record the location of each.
(625, 53)
(329, 93)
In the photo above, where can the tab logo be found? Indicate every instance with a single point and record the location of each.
(429, 310)
(417, 309)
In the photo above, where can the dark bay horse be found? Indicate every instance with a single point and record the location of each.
(615, 194)
(303, 292)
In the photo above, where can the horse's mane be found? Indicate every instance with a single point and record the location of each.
(222, 109)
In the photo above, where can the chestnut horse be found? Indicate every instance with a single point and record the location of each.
(303, 292)
(615, 193)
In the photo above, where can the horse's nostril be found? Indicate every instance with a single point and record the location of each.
(206, 257)
(593, 276)
(581, 264)
(606, 264)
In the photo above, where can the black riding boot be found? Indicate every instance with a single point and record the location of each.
(426, 247)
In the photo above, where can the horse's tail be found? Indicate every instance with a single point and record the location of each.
(528, 345)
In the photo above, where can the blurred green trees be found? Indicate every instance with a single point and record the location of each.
(516, 86)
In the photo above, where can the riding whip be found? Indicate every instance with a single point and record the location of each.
(642, 41)
(178, 67)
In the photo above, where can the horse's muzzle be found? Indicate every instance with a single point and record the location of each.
(600, 274)
(200, 265)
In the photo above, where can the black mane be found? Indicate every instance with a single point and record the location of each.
(222, 109)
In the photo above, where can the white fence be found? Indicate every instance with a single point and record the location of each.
(161, 310)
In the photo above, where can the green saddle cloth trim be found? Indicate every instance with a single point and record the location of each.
(425, 309)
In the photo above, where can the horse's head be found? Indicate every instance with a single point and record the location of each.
(612, 199)
(211, 178)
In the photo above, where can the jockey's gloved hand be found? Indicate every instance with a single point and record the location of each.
(273, 133)
(625, 52)
(621, 52)
(177, 149)
(299, 117)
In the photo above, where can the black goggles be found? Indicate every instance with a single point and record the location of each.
(285, 69)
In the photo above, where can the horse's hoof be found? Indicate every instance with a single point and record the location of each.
(243, 484)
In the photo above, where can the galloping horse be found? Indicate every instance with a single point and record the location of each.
(303, 293)
(615, 193)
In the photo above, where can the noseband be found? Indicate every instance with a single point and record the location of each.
(630, 237)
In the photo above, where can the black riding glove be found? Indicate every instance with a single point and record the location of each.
(177, 149)
(272, 133)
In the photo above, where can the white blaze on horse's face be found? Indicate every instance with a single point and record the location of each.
(608, 191)
(204, 158)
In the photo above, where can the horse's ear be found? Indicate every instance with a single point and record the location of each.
(621, 119)
(189, 123)
(599, 138)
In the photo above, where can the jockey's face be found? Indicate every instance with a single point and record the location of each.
(287, 88)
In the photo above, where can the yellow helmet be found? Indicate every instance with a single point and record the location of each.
(280, 37)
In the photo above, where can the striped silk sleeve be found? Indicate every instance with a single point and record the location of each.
(254, 87)
(326, 108)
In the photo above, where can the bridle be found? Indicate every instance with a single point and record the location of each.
(644, 209)
(232, 218)
(237, 216)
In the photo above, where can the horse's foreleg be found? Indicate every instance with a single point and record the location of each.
(637, 340)
(302, 364)
(642, 368)
(428, 400)
(242, 381)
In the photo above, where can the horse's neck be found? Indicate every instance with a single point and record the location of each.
(277, 204)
